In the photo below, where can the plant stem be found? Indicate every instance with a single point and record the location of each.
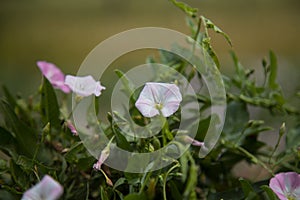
(254, 159)
(165, 179)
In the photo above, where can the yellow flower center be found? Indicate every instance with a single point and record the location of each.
(158, 106)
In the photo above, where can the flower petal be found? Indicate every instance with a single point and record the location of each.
(154, 95)
(103, 156)
(192, 141)
(286, 184)
(84, 86)
(54, 75)
(47, 188)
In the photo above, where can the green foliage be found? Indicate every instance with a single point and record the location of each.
(49, 105)
(34, 138)
(185, 8)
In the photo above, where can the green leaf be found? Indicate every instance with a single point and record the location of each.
(136, 196)
(237, 117)
(19, 106)
(119, 182)
(25, 163)
(202, 128)
(127, 84)
(103, 194)
(85, 163)
(184, 166)
(176, 194)
(211, 25)
(239, 69)
(121, 196)
(120, 138)
(26, 137)
(185, 8)
(189, 192)
(246, 186)
(19, 175)
(7, 195)
(49, 105)
(269, 193)
(7, 139)
(71, 156)
(9, 97)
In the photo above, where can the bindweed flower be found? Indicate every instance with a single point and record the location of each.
(103, 156)
(159, 98)
(84, 86)
(72, 128)
(47, 188)
(286, 185)
(54, 75)
(192, 141)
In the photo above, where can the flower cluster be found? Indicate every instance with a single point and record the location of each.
(82, 86)
(155, 99)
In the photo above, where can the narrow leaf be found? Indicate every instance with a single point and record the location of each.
(246, 186)
(211, 25)
(185, 8)
(269, 192)
(25, 136)
(49, 105)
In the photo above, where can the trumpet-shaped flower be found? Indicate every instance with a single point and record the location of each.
(47, 188)
(103, 156)
(286, 185)
(54, 75)
(84, 86)
(192, 141)
(159, 98)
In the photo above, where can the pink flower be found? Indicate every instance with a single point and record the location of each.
(192, 141)
(72, 128)
(286, 185)
(84, 86)
(159, 98)
(47, 188)
(54, 75)
(103, 156)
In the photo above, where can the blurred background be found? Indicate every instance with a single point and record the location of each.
(64, 32)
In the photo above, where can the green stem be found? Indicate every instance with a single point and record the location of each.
(254, 159)
(240, 136)
(87, 190)
(145, 181)
(281, 133)
(274, 150)
(45, 131)
(165, 179)
(77, 100)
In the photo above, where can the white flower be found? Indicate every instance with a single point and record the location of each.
(159, 98)
(84, 86)
(47, 188)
